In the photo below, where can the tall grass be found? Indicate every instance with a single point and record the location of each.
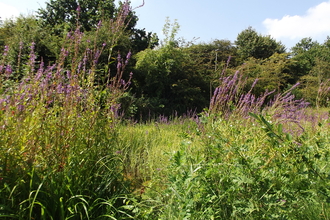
(58, 130)
(246, 158)
(235, 171)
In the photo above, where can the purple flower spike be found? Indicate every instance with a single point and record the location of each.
(20, 108)
(129, 55)
(119, 65)
(126, 9)
(99, 24)
(33, 44)
(8, 71)
(6, 51)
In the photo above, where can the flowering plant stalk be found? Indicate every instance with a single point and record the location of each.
(230, 100)
(56, 127)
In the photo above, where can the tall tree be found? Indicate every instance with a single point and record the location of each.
(312, 66)
(252, 44)
(304, 54)
(62, 16)
(165, 79)
(210, 59)
(68, 12)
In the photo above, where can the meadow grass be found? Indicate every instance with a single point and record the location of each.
(67, 157)
(242, 169)
(78, 166)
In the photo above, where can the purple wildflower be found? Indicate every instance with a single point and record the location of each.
(8, 71)
(68, 74)
(20, 108)
(40, 71)
(119, 65)
(128, 57)
(32, 47)
(118, 152)
(99, 24)
(119, 57)
(126, 9)
(68, 35)
(6, 50)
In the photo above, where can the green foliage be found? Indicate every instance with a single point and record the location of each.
(210, 60)
(104, 23)
(242, 170)
(251, 44)
(212, 56)
(142, 40)
(311, 63)
(57, 158)
(60, 13)
(165, 78)
(66, 155)
(18, 35)
(304, 54)
(273, 73)
(55, 170)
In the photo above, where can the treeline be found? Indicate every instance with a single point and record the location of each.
(169, 77)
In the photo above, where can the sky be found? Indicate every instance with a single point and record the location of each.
(287, 21)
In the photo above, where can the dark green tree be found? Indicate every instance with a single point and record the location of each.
(141, 39)
(165, 80)
(212, 56)
(210, 59)
(312, 65)
(252, 44)
(273, 73)
(101, 18)
(66, 13)
(304, 45)
(304, 54)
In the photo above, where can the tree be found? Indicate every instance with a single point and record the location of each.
(165, 80)
(141, 40)
(312, 66)
(67, 13)
(209, 60)
(212, 56)
(98, 19)
(304, 53)
(251, 44)
(304, 45)
(272, 74)
(19, 34)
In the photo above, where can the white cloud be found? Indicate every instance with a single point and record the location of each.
(8, 11)
(315, 23)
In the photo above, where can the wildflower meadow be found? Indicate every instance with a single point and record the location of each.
(70, 149)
